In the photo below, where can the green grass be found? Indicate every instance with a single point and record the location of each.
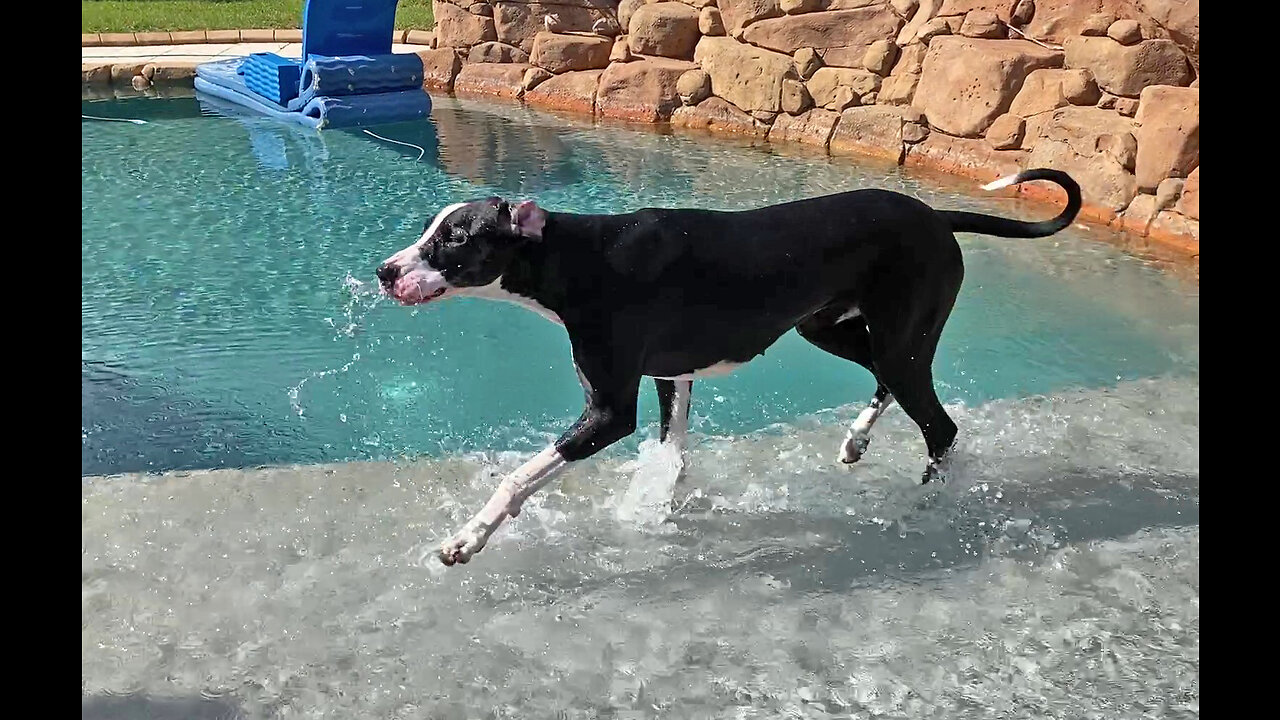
(155, 15)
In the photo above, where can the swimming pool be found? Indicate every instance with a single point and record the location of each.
(308, 443)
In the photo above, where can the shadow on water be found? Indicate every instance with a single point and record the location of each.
(943, 531)
(143, 707)
(130, 424)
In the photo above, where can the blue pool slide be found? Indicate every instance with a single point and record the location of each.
(347, 75)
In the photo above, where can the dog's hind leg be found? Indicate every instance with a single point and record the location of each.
(673, 428)
(911, 382)
(673, 408)
(849, 339)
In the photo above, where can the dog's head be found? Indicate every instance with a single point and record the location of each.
(467, 245)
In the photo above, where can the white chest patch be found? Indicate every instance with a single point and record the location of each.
(494, 291)
(721, 368)
(852, 312)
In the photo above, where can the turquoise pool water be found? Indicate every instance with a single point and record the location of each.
(271, 453)
(229, 320)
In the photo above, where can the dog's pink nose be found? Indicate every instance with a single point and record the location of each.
(388, 273)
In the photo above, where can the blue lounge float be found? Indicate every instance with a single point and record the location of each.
(347, 75)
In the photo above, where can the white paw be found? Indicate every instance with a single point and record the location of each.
(853, 447)
(465, 543)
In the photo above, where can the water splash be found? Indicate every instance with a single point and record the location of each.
(654, 475)
(361, 299)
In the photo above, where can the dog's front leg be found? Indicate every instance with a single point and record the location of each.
(607, 419)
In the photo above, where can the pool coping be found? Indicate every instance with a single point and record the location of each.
(1165, 237)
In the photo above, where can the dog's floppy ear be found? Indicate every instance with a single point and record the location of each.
(527, 219)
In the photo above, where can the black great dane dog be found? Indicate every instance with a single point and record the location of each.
(868, 275)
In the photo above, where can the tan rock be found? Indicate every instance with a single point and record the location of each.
(807, 62)
(1123, 148)
(764, 116)
(967, 83)
(626, 9)
(643, 91)
(925, 12)
(746, 76)
(1189, 203)
(1006, 132)
(621, 51)
(668, 29)
(880, 57)
(496, 52)
(904, 8)
(710, 22)
(1056, 20)
(1125, 32)
(841, 37)
(694, 86)
(455, 27)
(982, 24)
(1125, 106)
(518, 23)
(795, 7)
(607, 27)
(1168, 134)
(1181, 20)
(838, 88)
(1126, 70)
(910, 59)
(963, 156)
(173, 72)
(564, 52)
(913, 133)
(718, 116)
(1085, 142)
(1175, 229)
(1049, 89)
(1097, 24)
(874, 131)
(795, 97)
(95, 73)
(123, 73)
(573, 91)
(813, 127)
(1022, 13)
(932, 29)
(1168, 192)
(898, 89)
(439, 68)
(1138, 216)
(738, 14)
(535, 76)
(493, 79)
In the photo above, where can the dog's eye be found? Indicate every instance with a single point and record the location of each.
(455, 236)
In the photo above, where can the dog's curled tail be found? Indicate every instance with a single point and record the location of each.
(1004, 227)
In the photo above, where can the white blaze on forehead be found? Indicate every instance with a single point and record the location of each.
(440, 218)
(411, 254)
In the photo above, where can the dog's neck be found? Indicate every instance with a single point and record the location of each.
(534, 279)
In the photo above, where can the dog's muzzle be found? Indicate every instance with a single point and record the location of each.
(415, 286)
